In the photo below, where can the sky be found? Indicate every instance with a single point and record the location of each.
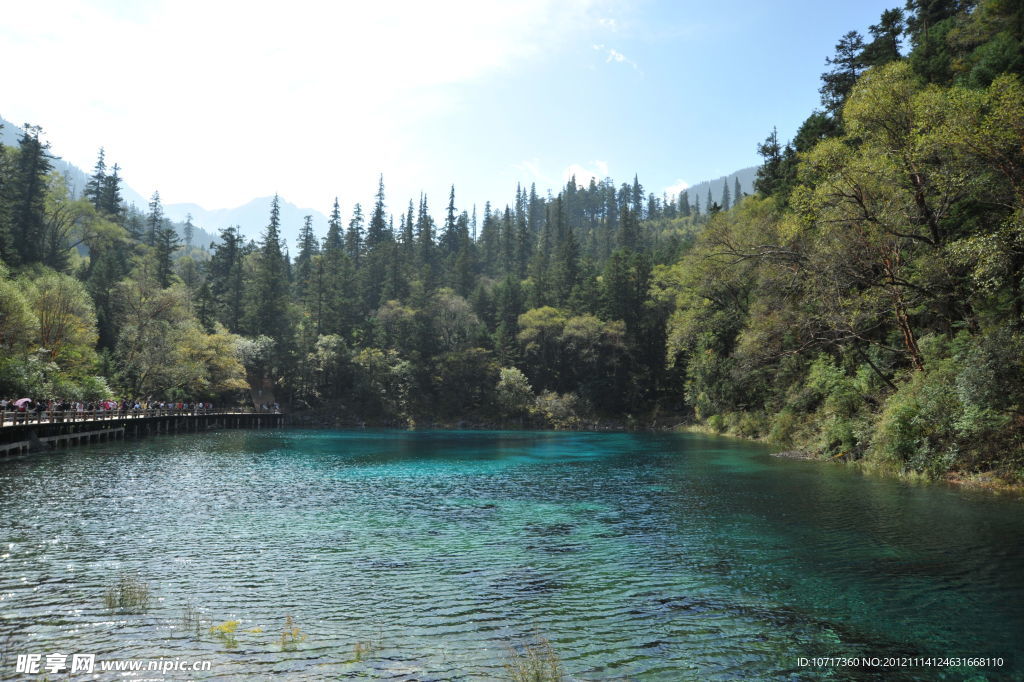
(217, 102)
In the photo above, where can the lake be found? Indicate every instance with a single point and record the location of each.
(435, 555)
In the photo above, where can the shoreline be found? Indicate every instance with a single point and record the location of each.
(986, 481)
(981, 481)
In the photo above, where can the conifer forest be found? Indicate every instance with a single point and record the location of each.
(863, 300)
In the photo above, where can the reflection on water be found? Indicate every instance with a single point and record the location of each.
(423, 556)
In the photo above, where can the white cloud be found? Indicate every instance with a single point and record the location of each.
(613, 55)
(217, 102)
(675, 189)
(533, 169)
(584, 175)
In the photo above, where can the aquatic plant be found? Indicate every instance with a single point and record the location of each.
(225, 632)
(291, 636)
(361, 650)
(228, 627)
(129, 594)
(191, 620)
(534, 663)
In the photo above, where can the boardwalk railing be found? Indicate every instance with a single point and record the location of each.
(10, 418)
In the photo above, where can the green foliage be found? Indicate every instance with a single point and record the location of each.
(559, 410)
(870, 304)
(66, 318)
(382, 383)
(951, 415)
(19, 326)
(867, 301)
(514, 394)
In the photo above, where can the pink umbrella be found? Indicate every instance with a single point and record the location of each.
(21, 402)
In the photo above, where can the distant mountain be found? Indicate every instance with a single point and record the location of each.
(77, 178)
(700, 190)
(251, 218)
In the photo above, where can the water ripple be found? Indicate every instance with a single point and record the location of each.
(425, 556)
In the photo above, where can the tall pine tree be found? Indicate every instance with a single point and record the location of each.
(28, 196)
(268, 310)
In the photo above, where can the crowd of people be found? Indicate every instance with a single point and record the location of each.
(21, 409)
(29, 405)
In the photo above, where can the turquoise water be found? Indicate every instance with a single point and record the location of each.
(428, 555)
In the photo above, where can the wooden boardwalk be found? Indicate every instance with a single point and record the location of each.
(22, 432)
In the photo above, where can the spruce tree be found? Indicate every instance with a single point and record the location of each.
(629, 231)
(490, 241)
(737, 193)
(611, 218)
(337, 281)
(166, 242)
(226, 278)
(378, 231)
(189, 230)
(508, 307)
(566, 265)
(449, 241)
(506, 242)
(465, 258)
(535, 210)
(540, 292)
(333, 240)
(94, 187)
(7, 252)
(523, 241)
(671, 210)
(777, 174)
(425, 241)
(847, 65)
(653, 210)
(28, 196)
(110, 195)
(408, 234)
(726, 202)
(637, 198)
(354, 236)
(268, 310)
(154, 219)
(309, 249)
(885, 39)
(108, 265)
(684, 204)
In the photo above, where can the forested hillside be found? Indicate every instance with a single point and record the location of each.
(863, 300)
(867, 302)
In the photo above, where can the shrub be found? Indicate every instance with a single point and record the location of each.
(784, 428)
(513, 393)
(560, 410)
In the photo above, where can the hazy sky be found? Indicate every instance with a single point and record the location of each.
(219, 102)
